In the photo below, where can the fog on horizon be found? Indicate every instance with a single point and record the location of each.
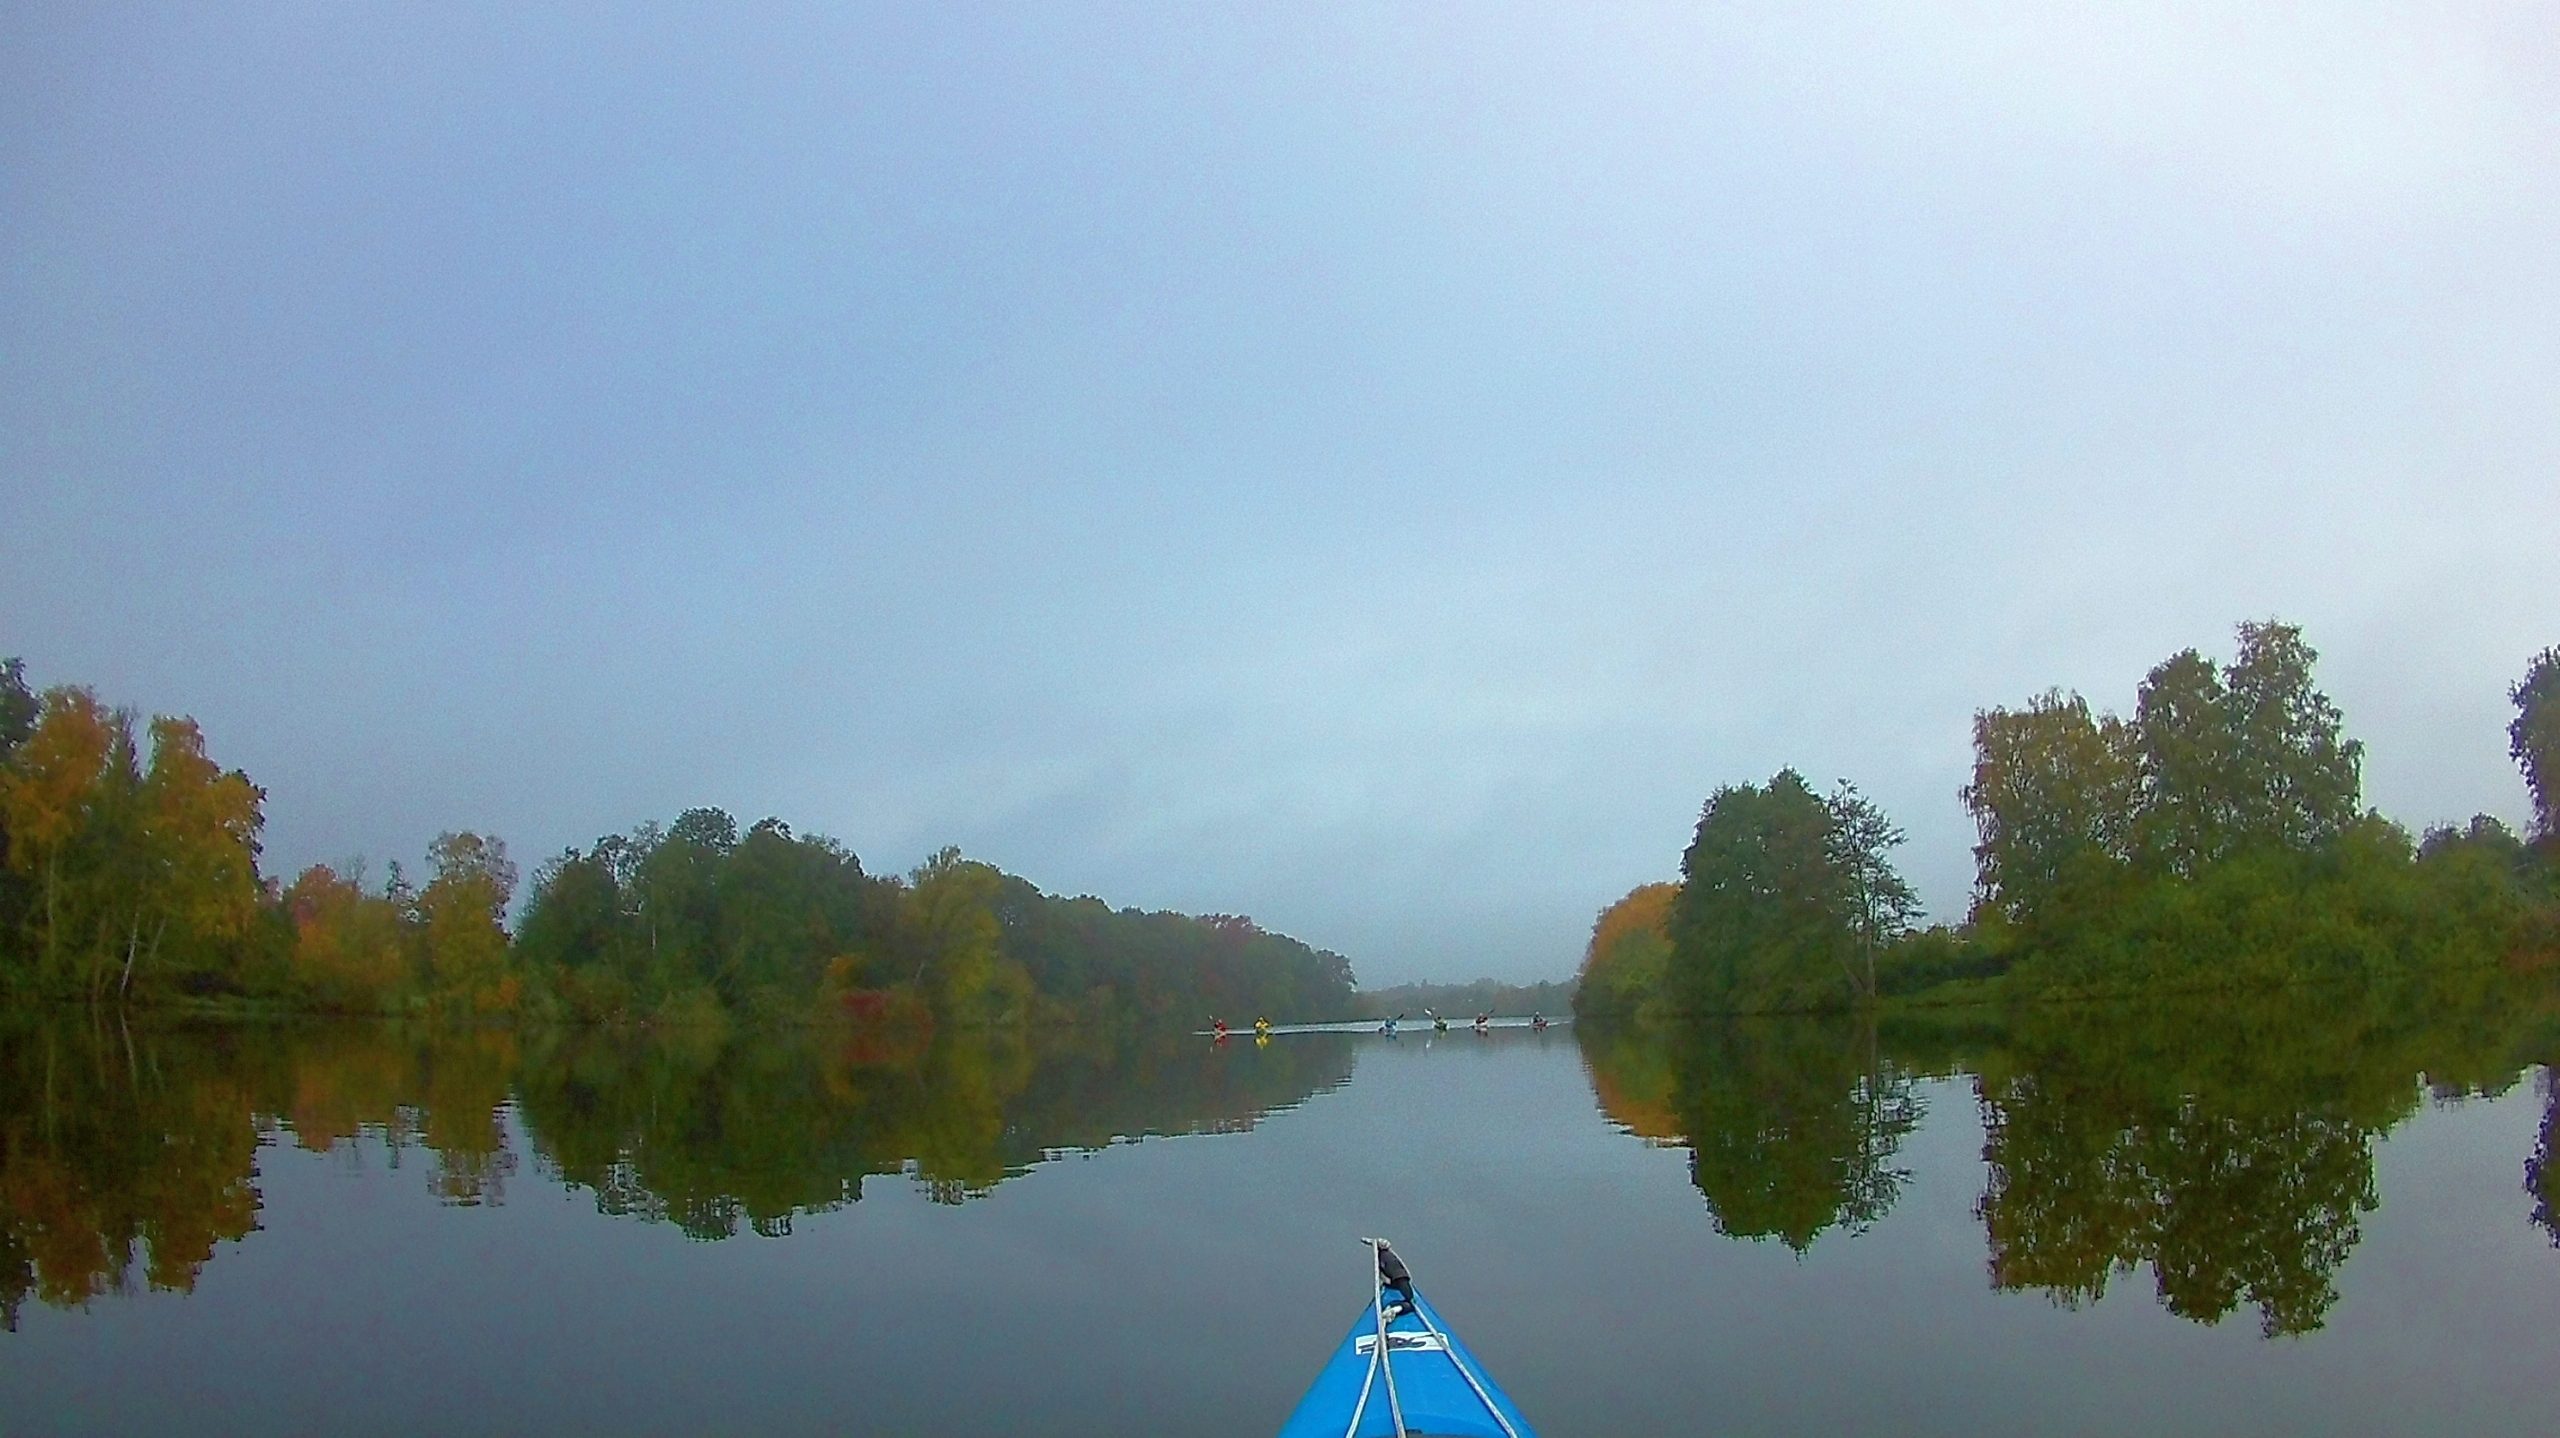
(1376, 469)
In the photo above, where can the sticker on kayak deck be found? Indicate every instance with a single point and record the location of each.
(1401, 1343)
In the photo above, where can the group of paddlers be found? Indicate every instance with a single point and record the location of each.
(1483, 1024)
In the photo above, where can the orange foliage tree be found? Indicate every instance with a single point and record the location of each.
(350, 948)
(1630, 948)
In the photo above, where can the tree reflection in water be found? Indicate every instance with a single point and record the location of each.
(2227, 1143)
(117, 1157)
(2542, 1170)
(129, 1153)
(1793, 1126)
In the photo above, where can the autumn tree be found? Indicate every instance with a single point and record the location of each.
(1629, 953)
(951, 936)
(58, 795)
(128, 864)
(195, 849)
(350, 948)
(463, 910)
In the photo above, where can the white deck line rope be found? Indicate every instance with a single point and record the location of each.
(1451, 1349)
(1378, 1306)
(1367, 1382)
(1377, 1357)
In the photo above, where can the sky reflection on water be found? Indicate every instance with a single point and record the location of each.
(492, 1234)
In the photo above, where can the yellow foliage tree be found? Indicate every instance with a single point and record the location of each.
(198, 847)
(958, 946)
(1629, 950)
(125, 860)
(464, 911)
(53, 788)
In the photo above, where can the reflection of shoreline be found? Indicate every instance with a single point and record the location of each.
(2226, 1144)
(127, 1155)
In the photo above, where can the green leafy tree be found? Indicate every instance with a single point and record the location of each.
(2485, 834)
(679, 884)
(1754, 925)
(2533, 737)
(697, 920)
(1876, 905)
(2053, 798)
(2255, 757)
(710, 829)
(2542, 1167)
(577, 934)
(1794, 1125)
(1783, 894)
(2296, 779)
(2184, 747)
(788, 906)
(18, 707)
(2118, 855)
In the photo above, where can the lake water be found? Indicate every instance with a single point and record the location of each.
(2297, 1217)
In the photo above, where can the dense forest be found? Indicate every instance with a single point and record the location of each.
(2215, 839)
(129, 873)
(1465, 1001)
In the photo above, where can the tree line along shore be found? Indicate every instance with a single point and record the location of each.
(2214, 839)
(129, 874)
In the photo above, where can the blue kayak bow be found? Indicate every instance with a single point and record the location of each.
(1400, 1373)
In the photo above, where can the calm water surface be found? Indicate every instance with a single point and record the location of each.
(2295, 1218)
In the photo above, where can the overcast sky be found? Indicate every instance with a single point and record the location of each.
(1376, 468)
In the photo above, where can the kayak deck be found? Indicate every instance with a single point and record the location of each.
(1429, 1380)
